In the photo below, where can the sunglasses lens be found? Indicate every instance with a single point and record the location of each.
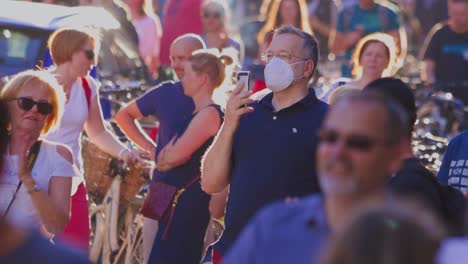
(355, 142)
(45, 108)
(26, 103)
(360, 143)
(212, 14)
(89, 54)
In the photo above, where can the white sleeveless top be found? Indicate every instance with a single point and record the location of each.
(49, 163)
(72, 124)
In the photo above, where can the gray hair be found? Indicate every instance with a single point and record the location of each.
(309, 43)
(396, 123)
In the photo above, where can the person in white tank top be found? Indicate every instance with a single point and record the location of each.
(73, 51)
(37, 198)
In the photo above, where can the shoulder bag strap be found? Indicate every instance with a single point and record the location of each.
(87, 90)
(175, 200)
(191, 182)
(31, 161)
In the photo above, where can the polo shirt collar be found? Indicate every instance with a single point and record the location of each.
(308, 101)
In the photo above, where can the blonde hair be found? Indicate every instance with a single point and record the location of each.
(273, 19)
(342, 92)
(390, 49)
(38, 78)
(64, 42)
(213, 63)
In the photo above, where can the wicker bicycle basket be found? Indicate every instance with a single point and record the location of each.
(100, 169)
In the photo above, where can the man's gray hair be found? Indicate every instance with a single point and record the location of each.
(310, 44)
(396, 123)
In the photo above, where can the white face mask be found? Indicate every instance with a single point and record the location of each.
(279, 75)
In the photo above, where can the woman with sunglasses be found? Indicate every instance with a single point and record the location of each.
(17, 244)
(215, 32)
(36, 176)
(74, 52)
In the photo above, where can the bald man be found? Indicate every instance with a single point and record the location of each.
(168, 103)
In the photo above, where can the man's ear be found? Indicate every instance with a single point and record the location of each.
(309, 68)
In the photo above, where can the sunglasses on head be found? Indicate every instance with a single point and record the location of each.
(27, 104)
(355, 142)
(212, 14)
(89, 54)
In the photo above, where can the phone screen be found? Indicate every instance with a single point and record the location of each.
(243, 77)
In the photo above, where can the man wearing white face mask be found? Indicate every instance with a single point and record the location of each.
(265, 151)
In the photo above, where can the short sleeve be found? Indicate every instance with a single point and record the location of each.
(149, 103)
(251, 239)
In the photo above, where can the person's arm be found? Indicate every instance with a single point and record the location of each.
(217, 204)
(203, 126)
(216, 163)
(430, 54)
(53, 206)
(103, 138)
(126, 119)
(428, 71)
(319, 26)
(155, 33)
(340, 42)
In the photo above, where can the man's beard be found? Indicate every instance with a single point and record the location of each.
(337, 185)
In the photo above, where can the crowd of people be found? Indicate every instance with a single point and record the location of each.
(270, 171)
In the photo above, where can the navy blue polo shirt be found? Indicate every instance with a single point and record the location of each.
(168, 103)
(295, 232)
(273, 157)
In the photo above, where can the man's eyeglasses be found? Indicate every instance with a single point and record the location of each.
(27, 104)
(208, 14)
(354, 142)
(284, 55)
(89, 54)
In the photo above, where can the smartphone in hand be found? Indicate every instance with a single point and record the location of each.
(244, 77)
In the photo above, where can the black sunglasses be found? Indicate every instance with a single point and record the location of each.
(212, 14)
(89, 54)
(355, 142)
(27, 104)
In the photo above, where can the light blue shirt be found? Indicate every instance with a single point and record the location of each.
(293, 232)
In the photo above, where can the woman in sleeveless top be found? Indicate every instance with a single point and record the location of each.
(36, 175)
(74, 52)
(180, 240)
